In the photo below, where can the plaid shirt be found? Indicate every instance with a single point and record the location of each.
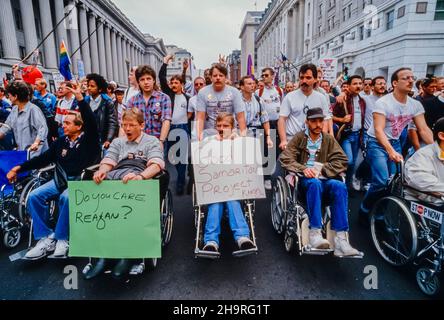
(156, 111)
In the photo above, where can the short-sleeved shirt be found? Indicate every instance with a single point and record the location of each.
(156, 111)
(49, 100)
(254, 114)
(357, 123)
(370, 102)
(271, 100)
(295, 107)
(398, 116)
(180, 112)
(146, 148)
(213, 103)
(313, 148)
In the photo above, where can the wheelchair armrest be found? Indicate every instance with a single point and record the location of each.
(44, 170)
(90, 170)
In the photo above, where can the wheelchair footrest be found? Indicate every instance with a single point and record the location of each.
(53, 257)
(244, 253)
(207, 254)
(359, 256)
(18, 256)
(137, 269)
(316, 252)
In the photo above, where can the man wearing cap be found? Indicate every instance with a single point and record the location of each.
(424, 171)
(320, 161)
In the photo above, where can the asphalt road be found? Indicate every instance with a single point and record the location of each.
(273, 274)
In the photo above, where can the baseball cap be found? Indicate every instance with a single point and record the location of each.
(315, 113)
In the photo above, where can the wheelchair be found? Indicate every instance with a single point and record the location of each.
(410, 232)
(289, 217)
(13, 198)
(248, 208)
(166, 219)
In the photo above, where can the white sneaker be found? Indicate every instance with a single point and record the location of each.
(245, 243)
(343, 247)
(41, 249)
(61, 249)
(316, 240)
(267, 185)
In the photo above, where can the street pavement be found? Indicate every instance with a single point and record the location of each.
(272, 274)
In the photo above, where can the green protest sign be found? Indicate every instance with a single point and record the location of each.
(114, 220)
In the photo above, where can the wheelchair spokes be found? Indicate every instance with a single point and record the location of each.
(394, 231)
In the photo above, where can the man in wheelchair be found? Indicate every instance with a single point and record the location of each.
(424, 171)
(238, 224)
(320, 161)
(71, 154)
(137, 156)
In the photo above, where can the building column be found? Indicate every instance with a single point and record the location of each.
(125, 65)
(95, 64)
(109, 54)
(133, 59)
(47, 26)
(128, 53)
(300, 30)
(119, 57)
(61, 30)
(7, 29)
(115, 66)
(84, 34)
(101, 47)
(75, 41)
(28, 21)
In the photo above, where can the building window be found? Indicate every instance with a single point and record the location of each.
(18, 19)
(421, 7)
(319, 30)
(320, 10)
(361, 33)
(401, 12)
(329, 24)
(344, 14)
(22, 52)
(390, 19)
(308, 30)
(369, 32)
(439, 12)
(342, 39)
(350, 10)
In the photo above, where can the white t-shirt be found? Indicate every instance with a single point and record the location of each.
(271, 101)
(357, 117)
(398, 115)
(192, 104)
(228, 100)
(295, 107)
(370, 102)
(180, 111)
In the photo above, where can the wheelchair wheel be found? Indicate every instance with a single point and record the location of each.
(167, 218)
(24, 197)
(394, 231)
(428, 282)
(279, 204)
(11, 238)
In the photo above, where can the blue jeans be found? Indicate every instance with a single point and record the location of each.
(39, 209)
(382, 168)
(180, 166)
(332, 191)
(235, 216)
(350, 145)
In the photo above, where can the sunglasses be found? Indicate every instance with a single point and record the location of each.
(266, 75)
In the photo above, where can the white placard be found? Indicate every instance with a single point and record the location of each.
(228, 170)
(58, 79)
(330, 68)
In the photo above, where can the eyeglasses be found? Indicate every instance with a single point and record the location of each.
(408, 78)
(367, 84)
(265, 76)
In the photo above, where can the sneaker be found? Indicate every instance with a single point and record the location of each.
(316, 240)
(343, 247)
(245, 243)
(211, 246)
(61, 249)
(41, 249)
(267, 185)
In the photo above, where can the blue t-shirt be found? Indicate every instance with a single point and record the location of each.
(49, 100)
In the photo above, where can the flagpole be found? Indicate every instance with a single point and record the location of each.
(49, 34)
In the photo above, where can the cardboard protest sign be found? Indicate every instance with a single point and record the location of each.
(228, 170)
(114, 220)
(330, 68)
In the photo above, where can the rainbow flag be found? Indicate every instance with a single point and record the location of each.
(65, 63)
